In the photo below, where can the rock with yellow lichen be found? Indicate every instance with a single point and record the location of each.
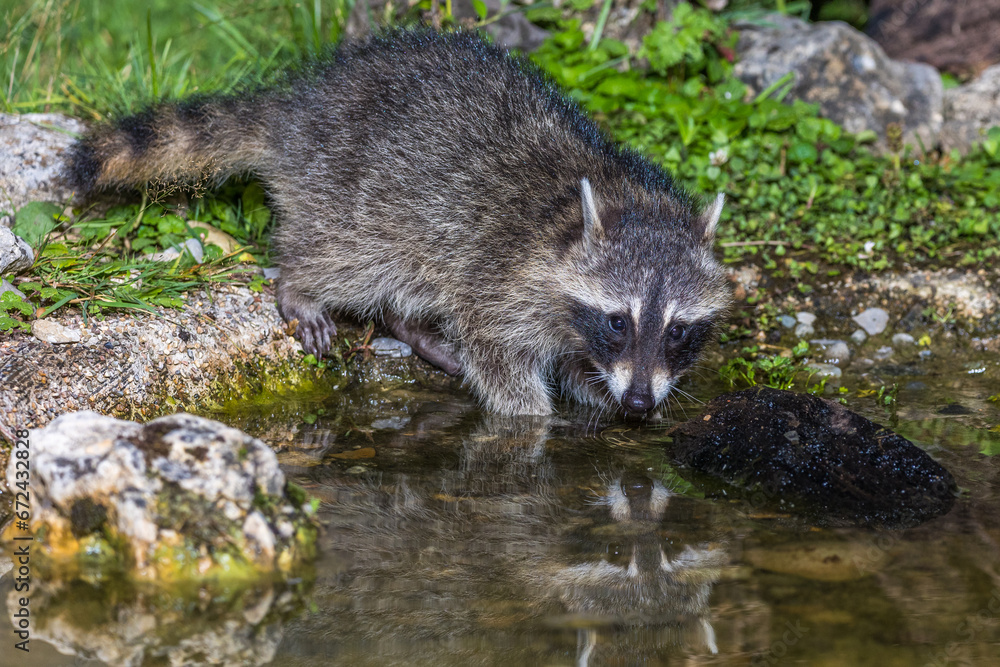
(177, 499)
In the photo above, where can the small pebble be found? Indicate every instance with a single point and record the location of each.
(787, 321)
(394, 423)
(272, 272)
(390, 347)
(903, 339)
(805, 318)
(802, 330)
(883, 353)
(834, 351)
(53, 332)
(873, 320)
(824, 371)
(859, 336)
(974, 367)
(924, 354)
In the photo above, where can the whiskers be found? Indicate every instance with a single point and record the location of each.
(703, 372)
(597, 415)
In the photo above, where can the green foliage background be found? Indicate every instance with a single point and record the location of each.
(796, 182)
(804, 196)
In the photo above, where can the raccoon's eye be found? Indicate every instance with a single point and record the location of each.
(677, 332)
(617, 323)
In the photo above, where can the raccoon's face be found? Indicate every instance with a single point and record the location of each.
(639, 352)
(647, 302)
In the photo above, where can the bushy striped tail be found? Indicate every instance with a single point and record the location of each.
(192, 143)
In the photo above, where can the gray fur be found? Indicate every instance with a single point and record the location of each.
(437, 181)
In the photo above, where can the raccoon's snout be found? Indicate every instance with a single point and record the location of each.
(637, 402)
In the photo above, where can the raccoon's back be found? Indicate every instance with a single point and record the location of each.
(441, 128)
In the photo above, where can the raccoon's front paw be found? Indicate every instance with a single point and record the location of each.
(315, 332)
(313, 325)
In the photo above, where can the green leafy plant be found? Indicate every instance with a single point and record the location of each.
(797, 183)
(12, 304)
(777, 370)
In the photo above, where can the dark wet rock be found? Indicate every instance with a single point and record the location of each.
(181, 497)
(815, 455)
(970, 110)
(956, 37)
(847, 73)
(955, 409)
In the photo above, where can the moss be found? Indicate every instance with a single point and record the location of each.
(296, 494)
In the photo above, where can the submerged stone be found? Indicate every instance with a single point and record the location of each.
(390, 347)
(802, 451)
(179, 498)
(820, 560)
(833, 351)
(903, 339)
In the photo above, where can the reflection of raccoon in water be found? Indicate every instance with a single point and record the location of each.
(640, 583)
(502, 543)
(435, 181)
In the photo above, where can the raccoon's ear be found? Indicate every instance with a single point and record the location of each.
(593, 231)
(709, 219)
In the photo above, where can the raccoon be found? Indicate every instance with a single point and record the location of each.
(448, 187)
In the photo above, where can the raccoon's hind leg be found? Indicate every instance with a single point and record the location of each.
(315, 328)
(426, 342)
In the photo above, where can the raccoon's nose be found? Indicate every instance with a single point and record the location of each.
(637, 402)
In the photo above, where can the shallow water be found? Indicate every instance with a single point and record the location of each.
(454, 538)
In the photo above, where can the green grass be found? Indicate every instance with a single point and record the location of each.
(92, 57)
(805, 198)
(96, 59)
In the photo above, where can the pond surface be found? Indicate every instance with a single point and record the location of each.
(455, 538)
